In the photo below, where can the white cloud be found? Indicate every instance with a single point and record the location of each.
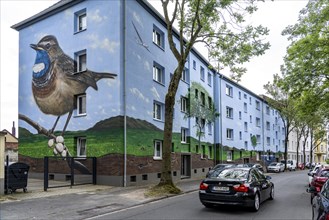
(105, 44)
(139, 95)
(155, 93)
(95, 17)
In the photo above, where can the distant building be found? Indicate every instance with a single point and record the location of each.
(11, 146)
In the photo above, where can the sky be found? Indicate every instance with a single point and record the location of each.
(276, 15)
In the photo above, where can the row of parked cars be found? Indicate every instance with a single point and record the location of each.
(318, 181)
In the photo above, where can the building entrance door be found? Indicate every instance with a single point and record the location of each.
(186, 166)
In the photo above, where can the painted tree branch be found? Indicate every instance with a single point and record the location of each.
(41, 130)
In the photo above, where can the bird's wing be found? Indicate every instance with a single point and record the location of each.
(137, 32)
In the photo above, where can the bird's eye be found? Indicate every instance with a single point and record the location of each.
(48, 46)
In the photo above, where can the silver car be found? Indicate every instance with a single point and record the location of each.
(275, 167)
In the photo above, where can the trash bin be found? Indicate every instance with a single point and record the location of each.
(16, 177)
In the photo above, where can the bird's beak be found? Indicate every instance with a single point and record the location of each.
(35, 47)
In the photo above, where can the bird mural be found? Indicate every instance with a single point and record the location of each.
(56, 82)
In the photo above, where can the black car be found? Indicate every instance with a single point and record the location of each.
(219, 167)
(320, 202)
(236, 186)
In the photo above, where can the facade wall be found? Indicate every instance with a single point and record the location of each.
(123, 125)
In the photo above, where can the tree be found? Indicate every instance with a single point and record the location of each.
(201, 107)
(253, 140)
(281, 101)
(306, 62)
(218, 24)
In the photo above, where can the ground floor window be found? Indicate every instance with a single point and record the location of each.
(81, 146)
(157, 149)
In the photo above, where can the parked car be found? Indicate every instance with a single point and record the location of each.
(255, 165)
(320, 202)
(275, 167)
(291, 164)
(319, 178)
(243, 186)
(219, 167)
(313, 171)
(301, 166)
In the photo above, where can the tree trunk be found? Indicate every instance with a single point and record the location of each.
(166, 177)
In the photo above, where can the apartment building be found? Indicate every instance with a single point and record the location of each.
(100, 71)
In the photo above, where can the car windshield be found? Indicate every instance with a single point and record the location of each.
(231, 174)
(220, 166)
(273, 164)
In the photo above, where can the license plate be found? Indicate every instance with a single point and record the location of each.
(221, 188)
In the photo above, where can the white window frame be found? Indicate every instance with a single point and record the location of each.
(80, 20)
(81, 146)
(203, 99)
(157, 111)
(209, 125)
(268, 126)
(184, 132)
(210, 152)
(209, 79)
(158, 73)
(81, 108)
(81, 61)
(203, 151)
(183, 104)
(202, 76)
(258, 138)
(257, 105)
(229, 155)
(258, 122)
(229, 112)
(245, 107)
(157, 150)
(229, 90)
(185, 75)
(229, 134)
(158, 37)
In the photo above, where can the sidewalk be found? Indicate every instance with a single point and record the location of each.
(35, 190)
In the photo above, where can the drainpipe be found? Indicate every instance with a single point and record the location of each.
(124, 97)
(263, 133)
(220, 118)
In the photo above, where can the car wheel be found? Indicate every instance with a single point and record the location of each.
(256, 204)
(272, 193)
(207, 205)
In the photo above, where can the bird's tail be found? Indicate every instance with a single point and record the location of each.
(101, 75)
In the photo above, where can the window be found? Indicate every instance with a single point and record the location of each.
(240, 135)
(197, 149)
(203, 99)
(246, 145)
(246, 126)
(250, 119)
(80, 20)
(158, 37)
(245, 107)
(209, 128)
(158, 73)
(258, 138)
(257, 105)
(268, 141)
(229, 155)
(240, 115)
(267, 110)
(81, 146)
(258, 122)
(196, 94)
(184, 135)
(201, 73)
(209, 102)
(203, 123)
(229, 112)
(209, 151)
(194, 64)
(268, 126)
(80, 61)
(185, 75)
(245, 96)
(229, 134)
(209, 79)
(157, 149)
(249, 100)
(239, 95)
(81, 106)
(183, 104)
(157, 111)
(203, 151)
(229, 90)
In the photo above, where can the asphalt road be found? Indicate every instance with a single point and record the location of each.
(291, 202)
